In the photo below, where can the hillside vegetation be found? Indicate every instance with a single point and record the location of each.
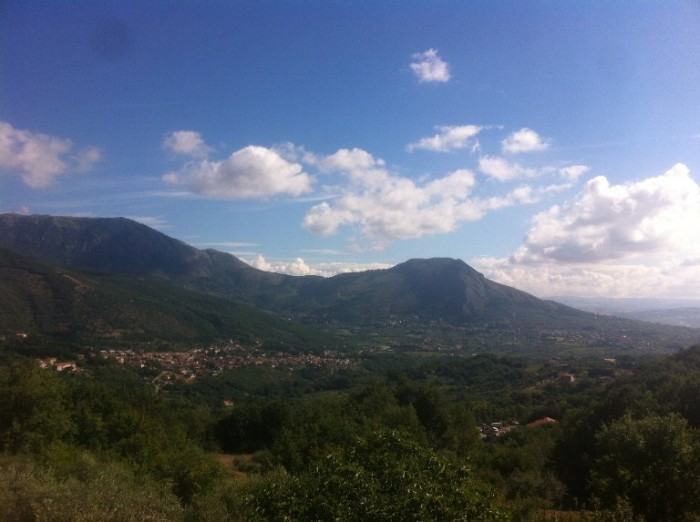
(143, 379)
(420, 304)
(411, 441)
(114, 310)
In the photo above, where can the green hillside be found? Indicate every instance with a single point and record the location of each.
(418, 304)
(86, 307)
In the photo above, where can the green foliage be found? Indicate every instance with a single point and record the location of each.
(389, 439)
(48, 418)
(382, 478)
(76, 306)
(652, 463)
(419, 303)
(296, 431)
(483, 371)
(253, 426)
(91, 492)
(521, 459)
(430, 407)
(657, 387)
(576, 451)
(33, 410)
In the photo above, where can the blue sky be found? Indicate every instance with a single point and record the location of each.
(554, 146)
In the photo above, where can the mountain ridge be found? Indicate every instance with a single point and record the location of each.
(441, 299)
(37, 298)
(120, 245)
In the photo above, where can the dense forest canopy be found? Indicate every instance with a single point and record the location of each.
(391, 438)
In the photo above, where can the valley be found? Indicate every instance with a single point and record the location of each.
(346, 261)
(208, 390)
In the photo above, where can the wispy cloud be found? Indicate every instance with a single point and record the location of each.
(502, 169)
(323, 251)
(229, 244)
(85, 159)
(158, 222)
(39, 159)
(448, 138)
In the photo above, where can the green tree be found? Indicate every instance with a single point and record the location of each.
(652, 463)
(430, 406)
(576, 451)
(385, 477)
(33, 410)
(253, 426)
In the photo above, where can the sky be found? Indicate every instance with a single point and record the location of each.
(552, 145)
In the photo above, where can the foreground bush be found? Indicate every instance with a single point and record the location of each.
(382, 478)
(96, 492)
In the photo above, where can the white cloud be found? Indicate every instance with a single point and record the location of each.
(524, 140)
(448, 138)
(251, 172)
(620, 240)
(361, 195)
(428, 67)
(521, 195)
(381, 207)
(325, 220)
(594, 280)
(502, 169)
(386, 207)
(354, 161)
(299, 267)
(188, 143)
(573, 172)
(40, 158)
(655, 216)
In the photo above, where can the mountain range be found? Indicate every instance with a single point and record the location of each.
(78, 306)
(421, 302)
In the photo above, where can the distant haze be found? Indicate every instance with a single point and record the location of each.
(678, 312)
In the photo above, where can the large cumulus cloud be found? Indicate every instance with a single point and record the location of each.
(251, 172)
(612, 239)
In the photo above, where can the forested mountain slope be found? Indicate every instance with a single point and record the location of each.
(422, 295)
(38, 298)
